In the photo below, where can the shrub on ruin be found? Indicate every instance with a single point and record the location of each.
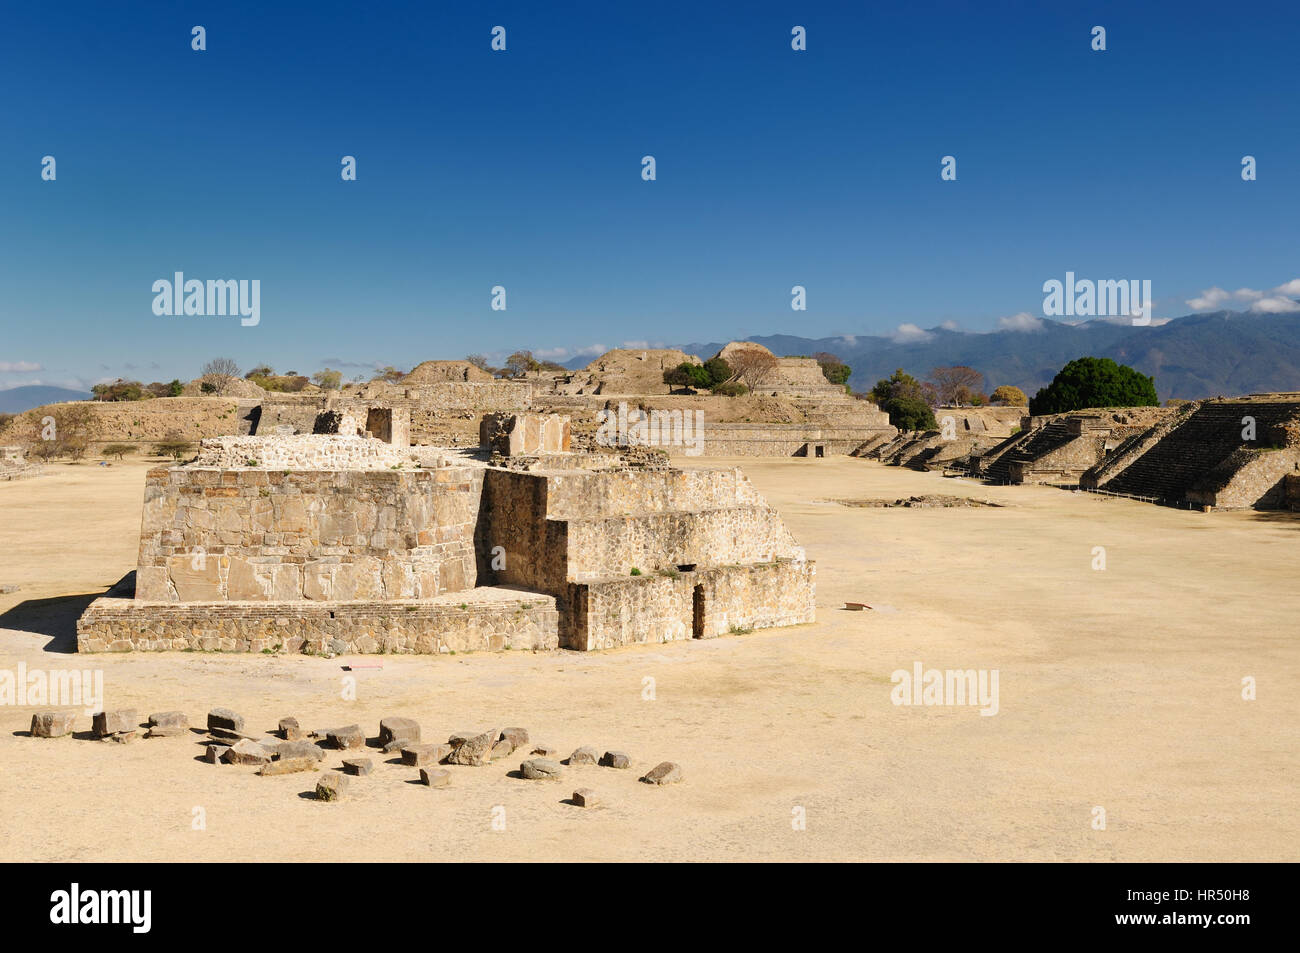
(119, 390)
(1006, 395)
(729, 389)
(1089, 382)
(159, 389)
(687, 374)
(833, 369)
(328, 379)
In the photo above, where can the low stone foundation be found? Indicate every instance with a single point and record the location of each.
(489, 619)
(700, 604)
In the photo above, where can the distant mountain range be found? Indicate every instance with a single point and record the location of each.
(1201, 355)
(17, 399)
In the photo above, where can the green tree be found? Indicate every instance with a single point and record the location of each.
(1094, 382)
(328, 379)
(719, 371)
(835, 370)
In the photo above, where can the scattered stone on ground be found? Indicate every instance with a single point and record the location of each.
(399, 729)
(358, 766)
(289, 729)
(299, 749)
(225, 719)
(288, 766)
(545, 751)
(420, 755)
(435, 777)
(52, 724)
(475, 751)
(615, 759)
(925, 501)
(168, 724)
(541, 769)
(667, 772)
(119, 726)
(585, 755)
(246, 752)
(502, 749)
(585, 797)
(518, 737)
(346, 738)
(216, 753)
(331, 786)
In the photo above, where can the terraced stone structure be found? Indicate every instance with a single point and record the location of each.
(334, 551)
(1228, 453)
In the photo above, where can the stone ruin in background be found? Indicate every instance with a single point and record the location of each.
(334, 543)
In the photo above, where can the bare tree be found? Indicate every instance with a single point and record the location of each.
(752, 366)
(217, 375)
(955, 384)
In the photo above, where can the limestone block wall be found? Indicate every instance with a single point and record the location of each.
(303, 452)
(512, 435)
(529, 622)
(1249, 478)
(600, 494)
(600, 548)
(705, 603)
(210, 535)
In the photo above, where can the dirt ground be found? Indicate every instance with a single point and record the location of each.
(1118, 689)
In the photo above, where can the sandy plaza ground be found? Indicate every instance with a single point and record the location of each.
(1118, 688)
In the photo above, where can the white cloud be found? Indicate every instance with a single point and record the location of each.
(592, 349)
(950, 326)
(551, 354)
(1276, 301)
(1023, 321)
(20, 367)
(850, 339)
(909, 333)
(1275, 304)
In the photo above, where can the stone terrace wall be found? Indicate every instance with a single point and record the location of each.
(303, 452)
(601, 548)
(705, 603)
(526, 622)
(1246, 479)
(591, 495)
(211, 535)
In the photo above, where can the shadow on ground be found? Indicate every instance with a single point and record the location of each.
(56, 617)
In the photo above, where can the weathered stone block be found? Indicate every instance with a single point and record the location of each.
(668, 772)
(52, 724)
(331, 786)
(584, 755)
(585, 797)
(288, 766)
(435, 777)
(541, 769)
(397, 729)
(226, 719)
(346, 738)
(107, 723)
(290, 730)
(615, 759)
(358, 766)
(476, 751)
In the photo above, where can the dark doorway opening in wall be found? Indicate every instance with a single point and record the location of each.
(379, 423)
(697, 622)
(819, 450)
(686, 567)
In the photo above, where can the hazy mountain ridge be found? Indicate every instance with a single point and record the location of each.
(17, 399)
(1200, 355)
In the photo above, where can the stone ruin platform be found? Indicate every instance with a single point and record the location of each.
(338, 550)
(485, 619)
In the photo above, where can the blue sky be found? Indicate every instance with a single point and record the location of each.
(522, 169)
